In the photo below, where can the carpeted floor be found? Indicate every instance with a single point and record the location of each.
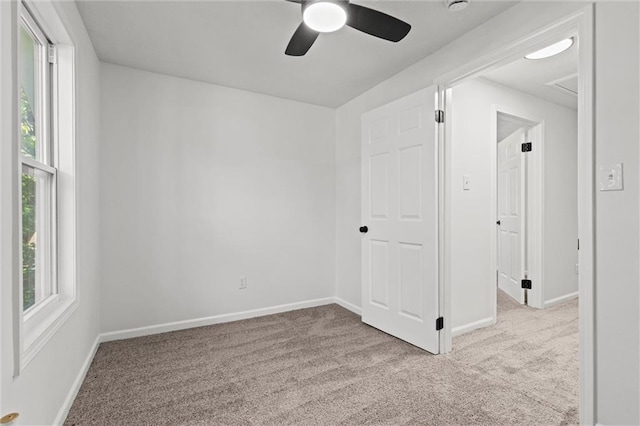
(322, 366)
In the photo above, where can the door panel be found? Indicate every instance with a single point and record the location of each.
(379, 265)
(410, 184)
(379, 167)
(510, 196)
(411, 265)
(399, 206)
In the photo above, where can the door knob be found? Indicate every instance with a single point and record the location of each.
(4, 420)
(498, 223)
(364, 229)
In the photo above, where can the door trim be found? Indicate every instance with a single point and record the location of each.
(581, 23)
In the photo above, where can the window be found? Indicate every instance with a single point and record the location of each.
(37, 162)
(46, 179)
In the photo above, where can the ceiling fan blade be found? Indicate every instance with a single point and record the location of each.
(376, 23)
(295, 1)
(301, 41)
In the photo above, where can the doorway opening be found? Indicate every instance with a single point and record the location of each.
(515, 139)
(514, 227)
(526, 187)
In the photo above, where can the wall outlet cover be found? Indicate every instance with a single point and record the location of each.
(611, 178)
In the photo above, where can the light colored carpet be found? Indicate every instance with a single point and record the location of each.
(322, 366)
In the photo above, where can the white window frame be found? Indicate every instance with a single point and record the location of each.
(46, 262)
(38, 324)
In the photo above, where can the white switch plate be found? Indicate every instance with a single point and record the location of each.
(611, 178)
(243, 283)
(466, 183)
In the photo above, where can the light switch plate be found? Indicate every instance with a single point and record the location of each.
(611, 178)
(466, 185)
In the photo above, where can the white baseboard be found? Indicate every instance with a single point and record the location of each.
(216, 319)
(349, 306)
(485, 322)
(77, 383)
(560, 299)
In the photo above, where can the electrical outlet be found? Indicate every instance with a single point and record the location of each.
(611, 177)
(243, 282)
(577, 269)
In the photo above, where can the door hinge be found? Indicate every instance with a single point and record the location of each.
(439, 323)
(439, 116)
(527, 147)
(52, 54)
(526, 284)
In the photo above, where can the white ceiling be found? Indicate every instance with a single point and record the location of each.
(535, 77)
(241, 43)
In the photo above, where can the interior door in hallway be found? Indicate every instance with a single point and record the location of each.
(511, 215)
(399, 220)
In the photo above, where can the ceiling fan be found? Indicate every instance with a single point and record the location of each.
(324, 16)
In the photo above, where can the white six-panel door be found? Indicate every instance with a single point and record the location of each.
(399, 208)
(510, 215)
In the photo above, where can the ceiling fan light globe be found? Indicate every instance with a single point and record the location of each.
(325, 16)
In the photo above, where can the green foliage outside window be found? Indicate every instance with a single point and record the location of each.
(28, 145)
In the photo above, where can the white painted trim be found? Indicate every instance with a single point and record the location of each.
(48, 328)
(485, 322)
(513, 49)
(581, 21)
(348, 306)
(216, 319)
(560, 299)
(77, 383)
(493, 238)
(535, 216)
(444, 237)
(586, 219)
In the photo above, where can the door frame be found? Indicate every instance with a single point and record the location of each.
(580, 23)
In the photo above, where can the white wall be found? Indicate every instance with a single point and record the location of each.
(473, 276)
(617, 70)
(203, 184)
(617, 275)
(41, 389)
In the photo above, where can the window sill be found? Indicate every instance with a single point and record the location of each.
(38, 334)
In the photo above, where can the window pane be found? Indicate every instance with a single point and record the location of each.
(37, 278)
(30, 51)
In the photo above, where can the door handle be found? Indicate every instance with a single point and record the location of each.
(8, 418)
(364, 229)
(498, 223)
